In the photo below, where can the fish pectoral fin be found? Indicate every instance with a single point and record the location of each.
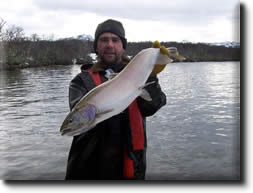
(148, 83)
(103, 112)
(145, 95)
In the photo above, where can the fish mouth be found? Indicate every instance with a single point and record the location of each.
(66, 132)
(70, 132)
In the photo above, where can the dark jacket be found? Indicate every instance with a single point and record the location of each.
(98, 153)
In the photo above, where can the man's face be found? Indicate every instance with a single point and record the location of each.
(110, 48)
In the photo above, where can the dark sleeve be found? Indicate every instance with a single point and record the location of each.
(84, 144)
(77, 89)
(149, 108)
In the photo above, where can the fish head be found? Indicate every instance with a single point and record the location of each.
(79, 120)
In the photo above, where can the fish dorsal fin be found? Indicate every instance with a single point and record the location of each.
(144, 93)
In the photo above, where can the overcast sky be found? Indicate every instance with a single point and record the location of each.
(164, 20)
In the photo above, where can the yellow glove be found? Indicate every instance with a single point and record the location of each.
(171, 52)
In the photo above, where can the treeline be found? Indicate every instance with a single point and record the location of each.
(17, 50)
(45, 52)
(192, 52)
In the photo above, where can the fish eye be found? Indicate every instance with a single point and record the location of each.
(71, 120)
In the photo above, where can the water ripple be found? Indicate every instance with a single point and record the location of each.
(195, 134)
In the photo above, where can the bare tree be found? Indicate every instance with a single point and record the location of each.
(14, 33)
(15, 47)
(35, 37)
(2, 48)
(2, 23)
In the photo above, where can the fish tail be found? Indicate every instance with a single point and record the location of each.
(170, 53)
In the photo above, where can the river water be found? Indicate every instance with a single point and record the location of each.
(196, 136)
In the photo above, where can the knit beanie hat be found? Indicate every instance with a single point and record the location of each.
(111, 26)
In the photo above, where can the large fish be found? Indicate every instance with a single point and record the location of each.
(115, 95)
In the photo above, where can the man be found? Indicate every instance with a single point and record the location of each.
(116, 148)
